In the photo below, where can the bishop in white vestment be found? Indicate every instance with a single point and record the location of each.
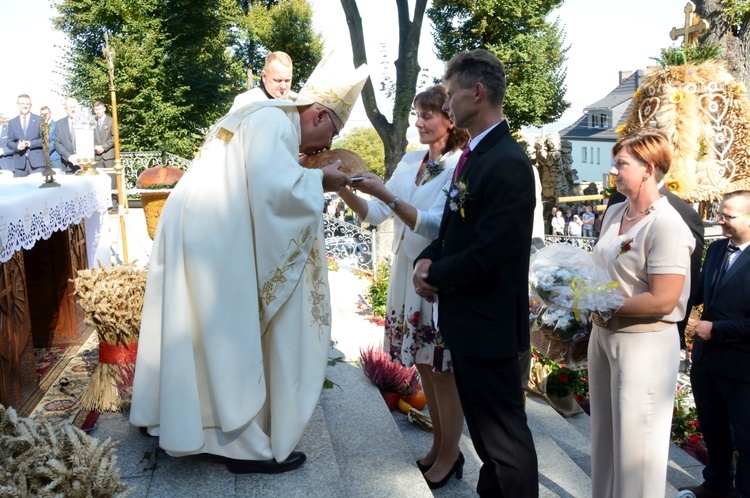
(236, 320)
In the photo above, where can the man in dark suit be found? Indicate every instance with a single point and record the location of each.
(6, 153)
(104, 138)
(25, 139)
(65, 137)
(694, 222)
(477, 270)
(721, 354)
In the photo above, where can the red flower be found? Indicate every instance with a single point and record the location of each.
(625, 246)
(694, 439)
(694, 424)
(563, 377)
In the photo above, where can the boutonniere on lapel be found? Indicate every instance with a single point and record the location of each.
(458, 194)
(106, 128)
(434, 168)
(625, 246)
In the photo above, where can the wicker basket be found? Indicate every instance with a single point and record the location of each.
(554, 348)
(153, 202)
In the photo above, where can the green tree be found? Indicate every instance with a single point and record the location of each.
(518, 32)
(393, 133)
(178, 63)
(285, 26)
(367, 144)
(173, 73)
(515, 30)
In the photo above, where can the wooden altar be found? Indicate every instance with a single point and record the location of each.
(37, 306)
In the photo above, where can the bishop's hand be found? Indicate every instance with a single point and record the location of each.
(333, 178)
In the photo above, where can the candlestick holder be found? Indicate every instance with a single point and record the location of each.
(49, 173)
(86, 167)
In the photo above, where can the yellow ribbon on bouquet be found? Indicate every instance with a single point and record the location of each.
(580, 287)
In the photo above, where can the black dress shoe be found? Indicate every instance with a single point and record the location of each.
(295, 459)
(458, 469)
(422, 467)
(144, 432)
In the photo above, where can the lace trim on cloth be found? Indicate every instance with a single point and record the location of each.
(40, 220)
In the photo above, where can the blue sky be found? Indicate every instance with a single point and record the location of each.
(605, 37)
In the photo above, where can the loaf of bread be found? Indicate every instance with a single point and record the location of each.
(351, 163)
(159, 177)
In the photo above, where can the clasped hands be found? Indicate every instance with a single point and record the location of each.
(23, 145)
(701, 331)
(423, 289)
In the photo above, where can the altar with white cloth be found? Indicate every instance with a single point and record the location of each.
(46, 234)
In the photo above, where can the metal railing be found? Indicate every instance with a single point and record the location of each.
(349, 243)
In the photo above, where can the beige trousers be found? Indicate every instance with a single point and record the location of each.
(632, 380)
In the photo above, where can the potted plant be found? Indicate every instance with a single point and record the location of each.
(392, 379)
(158, 182)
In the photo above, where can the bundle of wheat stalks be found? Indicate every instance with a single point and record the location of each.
(39, 459)
(112, 300)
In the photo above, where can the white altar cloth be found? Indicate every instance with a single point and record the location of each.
(29, 213)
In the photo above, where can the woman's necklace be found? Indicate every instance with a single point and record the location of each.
(625, 214)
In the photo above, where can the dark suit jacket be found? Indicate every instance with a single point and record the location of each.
(65, 143)
(6, 160)
(34, 152)
(727, 353)
(481, 263)
(106, 138)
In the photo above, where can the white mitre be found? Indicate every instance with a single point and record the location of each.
(335, 86)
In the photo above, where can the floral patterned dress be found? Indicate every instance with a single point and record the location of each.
(410, 333)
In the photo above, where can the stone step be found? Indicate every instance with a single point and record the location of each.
(682, 470)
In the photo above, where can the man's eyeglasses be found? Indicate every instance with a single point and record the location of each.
(335, 130)
(726, 217)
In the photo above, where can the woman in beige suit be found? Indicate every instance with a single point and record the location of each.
(634, 355)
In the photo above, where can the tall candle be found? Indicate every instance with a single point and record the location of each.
(85, 143)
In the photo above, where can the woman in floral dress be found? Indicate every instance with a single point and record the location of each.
(415, 195)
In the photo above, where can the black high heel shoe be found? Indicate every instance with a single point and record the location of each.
(423, 468)
(458, 469)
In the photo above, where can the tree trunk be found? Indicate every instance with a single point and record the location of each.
(734, 40)
(407, 70)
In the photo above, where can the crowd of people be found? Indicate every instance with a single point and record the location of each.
(21, 147)
(584, 223)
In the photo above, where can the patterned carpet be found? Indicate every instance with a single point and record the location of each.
(64, 381)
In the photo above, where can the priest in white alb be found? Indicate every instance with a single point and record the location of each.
(236, 321)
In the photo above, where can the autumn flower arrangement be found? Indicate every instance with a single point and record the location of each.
(392, 379)
(686, 431)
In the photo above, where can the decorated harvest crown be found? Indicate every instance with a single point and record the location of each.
(334, 86)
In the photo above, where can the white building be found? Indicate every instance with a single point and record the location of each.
(593, 135)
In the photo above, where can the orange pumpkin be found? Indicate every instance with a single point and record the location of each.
(416, 400)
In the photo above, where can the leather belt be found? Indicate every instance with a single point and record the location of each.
(629, 323)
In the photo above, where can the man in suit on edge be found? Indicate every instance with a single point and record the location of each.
(6, 153)
(65, 137)
(104, 138)
(477, 270)
(25, 139)
(695, 224)
(721, 353)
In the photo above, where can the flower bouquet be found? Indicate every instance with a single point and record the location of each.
(392, 379)
(565, 286)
